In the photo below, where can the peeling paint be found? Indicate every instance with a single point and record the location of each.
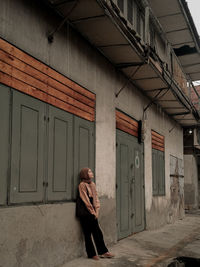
(176, 188)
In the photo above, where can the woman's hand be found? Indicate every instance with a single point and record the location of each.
(95, 216)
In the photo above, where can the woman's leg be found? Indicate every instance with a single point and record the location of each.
(86, 224)
(98, 238)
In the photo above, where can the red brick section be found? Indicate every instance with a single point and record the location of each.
(28, 75)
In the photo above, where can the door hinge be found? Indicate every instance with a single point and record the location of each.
(116, 186)
(46, 118)
(45, 184)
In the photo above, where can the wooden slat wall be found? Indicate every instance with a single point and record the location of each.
(126, 124)
(158, 141)
(26, 74)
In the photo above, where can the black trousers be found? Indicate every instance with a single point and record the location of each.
(91, 228)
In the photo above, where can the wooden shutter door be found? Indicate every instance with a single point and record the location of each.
(83, 147)
(155, 171)
(4, 141)
(161, 166)
(60, 155)
(125, 168)
(27, 155)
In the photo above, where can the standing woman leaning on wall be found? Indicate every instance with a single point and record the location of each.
(87, 210)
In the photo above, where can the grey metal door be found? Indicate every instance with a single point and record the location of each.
(83, 147)
(130, 185)
(60, 154)
(27, 153)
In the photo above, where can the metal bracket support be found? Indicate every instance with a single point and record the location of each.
(51, 34)
(132, 75)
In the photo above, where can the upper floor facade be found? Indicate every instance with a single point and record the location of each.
(154, 44)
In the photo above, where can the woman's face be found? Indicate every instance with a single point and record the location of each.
(90, 174)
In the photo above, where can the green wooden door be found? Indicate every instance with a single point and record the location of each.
(27, 154)
(60, 155)
(130, 185)
(158, 172)
(4, 141)
(83, 148)
(138, 197)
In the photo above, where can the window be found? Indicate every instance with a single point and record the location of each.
(142, 27)
(138, 25)
(158, 164)
(130, 11)
(48, 147)
(152, 37)
(120, 4)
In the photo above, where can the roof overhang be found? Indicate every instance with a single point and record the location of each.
(177, 23)
(100, 23)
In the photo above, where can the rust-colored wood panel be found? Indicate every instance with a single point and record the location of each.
(158, 144)
(30, 90)
(126, 129)
(157, 141)
(43, 87)
(156, 135)
(18, 64)
(158, 148)
(127, 124)
(12, 50)
(126, 118)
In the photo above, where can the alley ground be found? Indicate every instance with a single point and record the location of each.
(155, 248)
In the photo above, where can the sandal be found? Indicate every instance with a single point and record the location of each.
(96, 258)
(107, 255)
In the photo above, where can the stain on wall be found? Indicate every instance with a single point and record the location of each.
(176, 188)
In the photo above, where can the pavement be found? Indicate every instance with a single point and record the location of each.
(155, 248)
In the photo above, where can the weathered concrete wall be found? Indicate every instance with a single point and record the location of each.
(44, 235)
(159, 209)
(38, 231)
(48, 235)
(191, 182)
(39, 235)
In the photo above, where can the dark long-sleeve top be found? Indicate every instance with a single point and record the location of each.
(84, 190)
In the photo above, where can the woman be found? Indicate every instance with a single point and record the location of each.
(89, 223)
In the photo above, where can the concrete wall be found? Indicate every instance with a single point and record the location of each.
(191, 182)
(159, 209)
(31, 234)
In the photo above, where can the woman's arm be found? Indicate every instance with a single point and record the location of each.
(85, 198)
(96, 200)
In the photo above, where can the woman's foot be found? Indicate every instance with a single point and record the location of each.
(107, 255)
(96, 258)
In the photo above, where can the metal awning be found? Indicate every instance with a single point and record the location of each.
(102, 26)
(179, 28)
